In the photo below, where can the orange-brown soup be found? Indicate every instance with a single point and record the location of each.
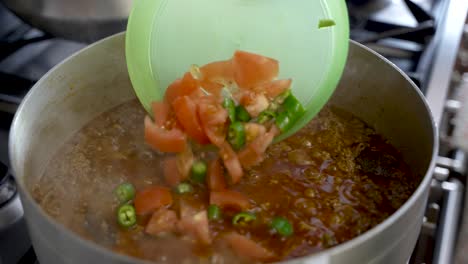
(334, 179)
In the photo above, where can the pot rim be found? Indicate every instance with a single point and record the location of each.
(322, 254)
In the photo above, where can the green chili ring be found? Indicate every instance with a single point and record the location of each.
(243, 218)
(199, 169)
(242, 114)
(214, 212)
(236, 135)
(125, 192)
(126, 216)
(282, 226)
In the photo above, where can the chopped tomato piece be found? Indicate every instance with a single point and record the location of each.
(171, 172)
(189, 84)
(254, 152)
(185, 160)
(231, 199)
(219, 71)
(249, 157)
(247, 247)
(213, 119)
(162, 221)
(197, 227)
(177, 168)
(173, 140)
(161, 112)
(212, 87)
(173, 91)
(194, 223)
(231, 162)
(254, 102)
(150, 199)
(253, 130)
(274, 88)
(252, 70)
(186, 112)
(187, 208)
(180, 87)
(215, 179)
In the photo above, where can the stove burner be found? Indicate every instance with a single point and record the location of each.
(406, 40)
(369, 5)
(7, 186)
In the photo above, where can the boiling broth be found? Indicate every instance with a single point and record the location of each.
(334, 179)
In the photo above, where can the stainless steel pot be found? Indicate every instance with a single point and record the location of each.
(84, 20)
(95, 79)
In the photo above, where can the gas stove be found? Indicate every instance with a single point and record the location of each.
(421, 37)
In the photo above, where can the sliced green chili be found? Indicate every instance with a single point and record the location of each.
(242, 114)
(214, 212)
(199, 171)
(326, 23)
(125, 192)
(243, 218)
(126, 216)
(282, 226)
(230, 106)
(265, 116)
(280, 98)
(184, 188)
(293, 106)
(291, 111)
(236, 135)
(283, 122)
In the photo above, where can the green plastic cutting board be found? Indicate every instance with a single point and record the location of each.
(165, 37)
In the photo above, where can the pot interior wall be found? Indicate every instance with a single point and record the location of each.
(386, 100)
(65, 100)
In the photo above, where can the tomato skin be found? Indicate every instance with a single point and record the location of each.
(246, 247)
(231, 162)
(186, 112)
(215, 178)
(228, 198)
(152, 198)
(213, 119)
(173, 140)
(252, 70)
